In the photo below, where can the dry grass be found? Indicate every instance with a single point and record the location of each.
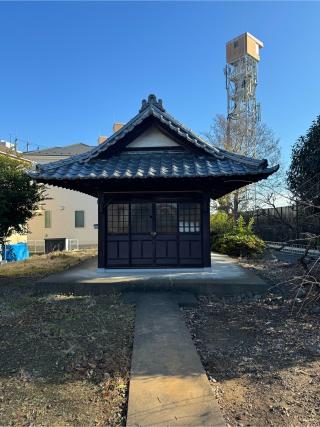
(41, 265)
(64, 359)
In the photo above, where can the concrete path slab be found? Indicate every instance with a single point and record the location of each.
(168, 385)
(225, 277)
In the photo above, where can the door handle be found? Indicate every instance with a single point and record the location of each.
(153, 233)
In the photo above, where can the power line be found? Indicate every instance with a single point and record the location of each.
(17, 141)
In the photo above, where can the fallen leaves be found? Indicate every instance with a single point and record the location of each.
(262, 363)
(55, 353)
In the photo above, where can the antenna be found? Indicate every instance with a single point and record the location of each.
(241, 71)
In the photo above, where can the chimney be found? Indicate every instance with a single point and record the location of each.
(117, 126)
(102, 139)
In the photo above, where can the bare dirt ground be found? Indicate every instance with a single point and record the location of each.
(64, 359)
(263, 361)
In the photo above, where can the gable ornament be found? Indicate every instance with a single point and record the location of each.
(152, 101)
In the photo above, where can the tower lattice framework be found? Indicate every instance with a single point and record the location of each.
(241, 72)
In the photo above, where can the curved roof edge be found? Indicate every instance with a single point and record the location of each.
(154, 107)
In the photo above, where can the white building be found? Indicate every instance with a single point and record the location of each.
(4, 144)
(65, 213)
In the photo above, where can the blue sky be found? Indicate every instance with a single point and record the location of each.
(70, 69)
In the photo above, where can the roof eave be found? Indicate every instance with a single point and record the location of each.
(36, 175)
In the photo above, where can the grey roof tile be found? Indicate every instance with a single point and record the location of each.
(101, 163)
(158, 165)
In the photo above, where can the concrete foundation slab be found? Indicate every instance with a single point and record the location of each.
(225, 277)
(168, 386)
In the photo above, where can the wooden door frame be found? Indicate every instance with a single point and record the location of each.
(106, 198)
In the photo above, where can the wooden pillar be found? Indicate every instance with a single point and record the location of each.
(102, 232)
(206, 246)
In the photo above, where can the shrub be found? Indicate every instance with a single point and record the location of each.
(220, 223)
(239, 245)
(235, 239)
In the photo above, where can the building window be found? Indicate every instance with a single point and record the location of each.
(79, 219)
(189, 217)
(118, 218)
(47, 219)
(166, 217)
(141, 217)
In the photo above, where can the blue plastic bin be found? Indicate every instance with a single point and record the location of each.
(17, 252)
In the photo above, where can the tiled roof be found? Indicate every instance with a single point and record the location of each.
(208, 161)
(168, 164)
(67, 150)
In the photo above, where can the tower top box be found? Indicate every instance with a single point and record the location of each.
(243, 45)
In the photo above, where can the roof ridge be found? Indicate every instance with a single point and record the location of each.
(97, 150)
(244, 159)
(155, 108)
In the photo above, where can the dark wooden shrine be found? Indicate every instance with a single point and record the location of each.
(154, 179)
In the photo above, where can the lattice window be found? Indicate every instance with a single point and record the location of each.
(141, 217)
(189, 217)
(166, 217)
(118, 218)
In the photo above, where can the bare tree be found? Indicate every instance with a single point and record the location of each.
(262, 144)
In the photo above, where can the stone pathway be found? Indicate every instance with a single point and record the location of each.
(168, 385)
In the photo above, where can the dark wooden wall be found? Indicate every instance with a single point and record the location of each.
(193, 249)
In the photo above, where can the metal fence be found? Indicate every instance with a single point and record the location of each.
(296, 249)
(73, 244)
(38, 246)
(285, 223)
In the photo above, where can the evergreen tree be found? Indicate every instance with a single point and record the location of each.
(20, 197)
(304, 171)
